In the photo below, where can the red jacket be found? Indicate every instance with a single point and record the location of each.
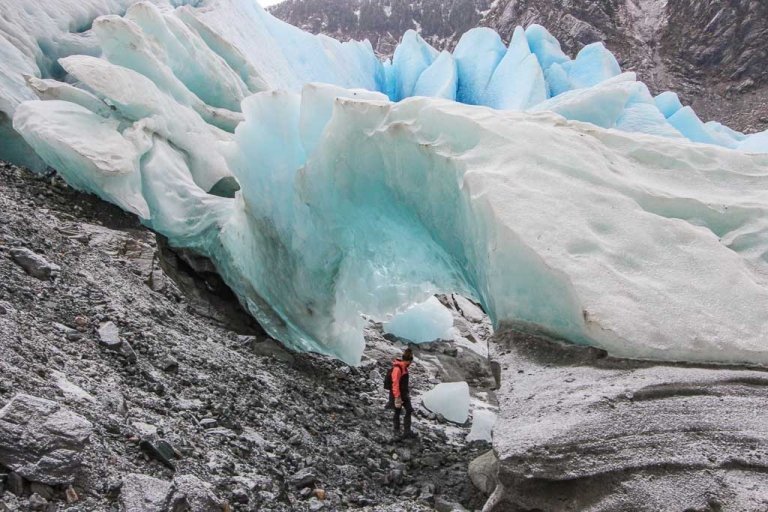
(399, 369)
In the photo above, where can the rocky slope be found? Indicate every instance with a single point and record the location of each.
(383, 22)
(713, 53)
(129, 380)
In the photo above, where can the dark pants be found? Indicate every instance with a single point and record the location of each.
(408, 410)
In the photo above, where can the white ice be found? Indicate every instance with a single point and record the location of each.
(450, 399)
(482, 425)
(422, 323)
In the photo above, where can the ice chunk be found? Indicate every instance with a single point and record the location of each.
(545, 46)
(137, 98)
(688, 123)
(593, 64)
(482, 425)
(756, 143)
(422, 323)
(412, 57)
(602, 105)
(54, 90)
(668, 103)
(440, 79)
(478, 53)
(518, 81)
(87, 150)
(200, 69)
(451, 399)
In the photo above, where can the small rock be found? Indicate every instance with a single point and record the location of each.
(15, 483)
(81, 322)
(443, 505)
(46, 491)
(154, 452)
(208, 423)
(145, 430)
(315, 504)
(319, 494)
(37, 502)
(303, 478)
(126, 350)
(169, 365)
(34, 264)
(451, 351)
(71, 495)
(109, 335)
(3, 310)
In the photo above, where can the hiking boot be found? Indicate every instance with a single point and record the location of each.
(410, 434)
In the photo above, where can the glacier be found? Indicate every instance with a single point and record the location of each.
(324, 184)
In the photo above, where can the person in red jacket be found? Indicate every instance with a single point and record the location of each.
(398, 394)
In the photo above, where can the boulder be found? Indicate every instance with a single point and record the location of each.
(34, 264)
(142, 493)
(190, 494)
(578, 430)
(186, 493)
(42, 440)
(483, 471)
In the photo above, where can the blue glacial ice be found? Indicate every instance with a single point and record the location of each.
(578, 204)
(422, 323)
(450, 399)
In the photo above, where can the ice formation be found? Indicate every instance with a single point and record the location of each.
(421, 323)
(450, 399)
(482, 425)
(319, 203)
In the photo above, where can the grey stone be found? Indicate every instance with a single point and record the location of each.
(190, 494)
(444, 505)
(303, 478)
(209, 423)
(15, 483)
(483, 471)
(42, 440)
(37, 502)
(34, 264)
(46, 491)
(142, 493)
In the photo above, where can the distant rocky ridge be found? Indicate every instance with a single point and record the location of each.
(712, 53)
(383, 22)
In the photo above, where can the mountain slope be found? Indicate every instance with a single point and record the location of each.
(710, 52)
(384, 22)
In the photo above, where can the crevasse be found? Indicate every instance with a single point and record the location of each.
(634, 226)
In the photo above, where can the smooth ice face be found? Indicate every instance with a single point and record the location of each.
(451, 399)
(482, 425)
(422, 323)
(478, 53)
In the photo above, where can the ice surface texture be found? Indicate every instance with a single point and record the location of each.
(321, 202)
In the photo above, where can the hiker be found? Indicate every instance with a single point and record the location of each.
(398, 392)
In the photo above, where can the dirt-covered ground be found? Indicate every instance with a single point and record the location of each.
(190, 405)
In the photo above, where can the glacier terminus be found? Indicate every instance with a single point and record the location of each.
(324, 184)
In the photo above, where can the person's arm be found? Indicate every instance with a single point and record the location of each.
(396, 374)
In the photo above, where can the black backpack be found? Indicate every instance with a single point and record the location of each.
(388, 379)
